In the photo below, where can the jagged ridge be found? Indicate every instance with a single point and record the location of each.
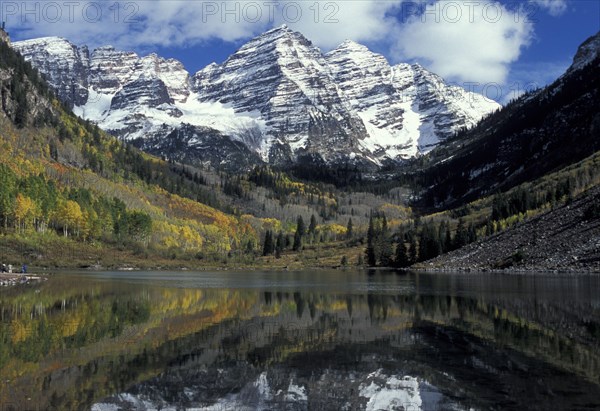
(278, 94)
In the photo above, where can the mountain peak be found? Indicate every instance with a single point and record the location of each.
(63, 63)
(279, 34)
(53, 42)
(105, 48)
(281, 30)
(359, 53)
(280, 41)
(587, 52)
(351, 44)
(49, 39)
(43, 40)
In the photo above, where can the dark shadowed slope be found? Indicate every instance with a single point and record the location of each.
(564, 239)
(541, 132)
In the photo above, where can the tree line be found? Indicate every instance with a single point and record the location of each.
(34, 203)
(415, 243)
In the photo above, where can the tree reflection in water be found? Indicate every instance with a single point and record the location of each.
(322, 341)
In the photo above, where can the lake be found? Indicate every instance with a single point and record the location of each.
(322, 340)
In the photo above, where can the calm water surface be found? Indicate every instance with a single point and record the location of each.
(339, 340)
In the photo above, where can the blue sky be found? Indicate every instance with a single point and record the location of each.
(499, 47)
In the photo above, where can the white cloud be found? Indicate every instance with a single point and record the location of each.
(479, 45)
(328, 24)
(138, 23)
(466, 41)
(553, 7)
(180, 23)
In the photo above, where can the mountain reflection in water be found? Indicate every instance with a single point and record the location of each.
(300, 341)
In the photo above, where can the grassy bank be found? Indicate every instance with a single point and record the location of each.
(51, 251)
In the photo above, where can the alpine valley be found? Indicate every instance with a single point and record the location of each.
(258, 235)
(283, 156)
(277, 100)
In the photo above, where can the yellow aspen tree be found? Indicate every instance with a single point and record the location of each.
(69, 215)
(24, 212)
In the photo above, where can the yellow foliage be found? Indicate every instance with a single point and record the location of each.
(170, 235)
(69, 325)
(395, 211)
(333, 228)
(394, 223)
(190, 239)
(25, 210)
(19, 331)
(271, 224)
(69, 215)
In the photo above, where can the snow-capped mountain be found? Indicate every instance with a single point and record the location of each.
(278, 94)
(405, 108)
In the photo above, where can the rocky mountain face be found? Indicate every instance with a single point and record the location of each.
(23, 96)
(541, 132)
(405, 108)
(278, 95)
(65, 66)
(587, 53)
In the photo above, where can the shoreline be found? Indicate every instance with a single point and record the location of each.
(42, 273)
(10, 279)
(509, 271)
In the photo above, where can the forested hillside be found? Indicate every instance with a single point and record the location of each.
(72, 195)
(63, 177)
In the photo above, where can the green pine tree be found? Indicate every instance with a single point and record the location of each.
(402, 259)
(370, 252)
(300, 231)
(279, 245)
(413, 250)
(385, 245)
(462, 235)
(312, 228)
(268, 244)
